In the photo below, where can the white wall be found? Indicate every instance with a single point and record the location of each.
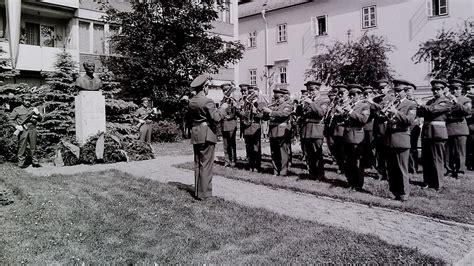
(404, 23)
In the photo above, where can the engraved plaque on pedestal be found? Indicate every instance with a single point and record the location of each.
(90, 114)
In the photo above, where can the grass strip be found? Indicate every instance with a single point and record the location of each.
(111, 217)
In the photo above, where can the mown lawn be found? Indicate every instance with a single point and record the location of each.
(110, 217)
(453, 202)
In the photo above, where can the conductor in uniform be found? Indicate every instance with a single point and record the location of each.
(401, 115)
(25, 118)
(205, 118)
(434, 134)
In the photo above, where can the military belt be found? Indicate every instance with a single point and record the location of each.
(200, 124)
(434, 123)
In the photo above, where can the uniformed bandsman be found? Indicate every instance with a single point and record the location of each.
(384, 98)
(338, 118)
(415, 131)
(279, 131)
(469, 87)
(434, 134)
(251, 115)
(314, 108)
(299, 115)
(229, 127)
(329, 124)
(401, 115)
(205, 118)
(244, 92)
(458, 130)
(356, 116)
(25, 117)
(368, 158)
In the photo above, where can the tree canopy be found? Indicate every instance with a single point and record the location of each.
(451, 54)
(362, 61)
(163, 44)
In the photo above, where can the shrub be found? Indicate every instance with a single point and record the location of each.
(165, 131)
(8, 143)
(139, 150)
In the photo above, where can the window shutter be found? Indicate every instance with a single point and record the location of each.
(314, 26)
(429, 8)
(326, 24)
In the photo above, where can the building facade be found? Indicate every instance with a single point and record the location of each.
(48, 26)
(282, 39)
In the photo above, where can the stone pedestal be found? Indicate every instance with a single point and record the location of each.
(90, 114)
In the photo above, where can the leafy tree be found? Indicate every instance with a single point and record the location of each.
(162, 44)
(362, 61)
(451, 53)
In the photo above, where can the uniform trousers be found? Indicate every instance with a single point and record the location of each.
(27, 137)
(339, 151)
(397, 164)
(368, 158)
(280, 149)
(145, 132)
(203, 164)
(381, 154)
(456, 155)
(354, 169)
(432, 160)
(413, 158)
(470, 151)
(253, 149)
(230, 145)
(314, 157)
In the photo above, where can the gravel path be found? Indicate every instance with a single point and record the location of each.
(447, 240)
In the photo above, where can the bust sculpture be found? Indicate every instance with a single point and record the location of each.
(88, 82)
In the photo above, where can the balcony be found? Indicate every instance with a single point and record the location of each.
(72, 4)
(36, 58)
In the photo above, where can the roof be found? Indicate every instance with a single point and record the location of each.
(255, 7)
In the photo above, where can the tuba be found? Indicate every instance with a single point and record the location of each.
(247, 109)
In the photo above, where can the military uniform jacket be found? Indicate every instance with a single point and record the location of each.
(257, 115)
(339, 121)
(229, 123)
(380, 121)
(23, 116)
(399, 126)
(355, 121)
(434, 113)
(312, 119)
(369, 126)
(280, 116)
(205, 117)
(456, 123)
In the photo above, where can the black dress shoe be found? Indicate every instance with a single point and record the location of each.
(36, 165)
(23, 166)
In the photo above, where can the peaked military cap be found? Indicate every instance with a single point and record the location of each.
(278, 91)
(312, 82)
(380, 81)
(412, 85)
(469, 82)
(340, 85)
(368, 89)
(225, 85)
(304, 91)
(437, 83)
(456, 82)
(145, 99)
(400, 84)
(199, 81)
(244, 86)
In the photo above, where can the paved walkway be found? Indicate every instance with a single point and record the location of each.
(450, 241)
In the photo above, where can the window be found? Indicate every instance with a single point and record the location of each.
(253, 39)
(224, 11)
(369, 18)
(2, 23)
(84, 37)
(99, 39)
(283, 75)
(113, 30)
(281, 33)
(253, 76)
(40, 35)
(437, 7)
(319, 25)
